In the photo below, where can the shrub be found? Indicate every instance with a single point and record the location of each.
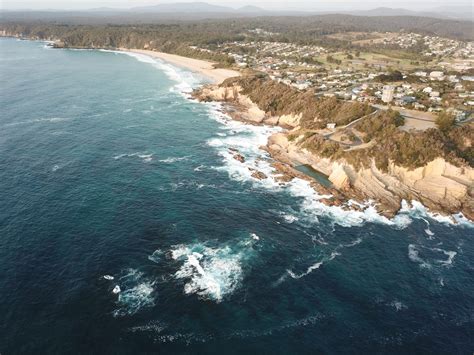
(445, 121)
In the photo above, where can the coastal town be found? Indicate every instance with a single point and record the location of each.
(438, 78)
(368, 110)
(219, 178)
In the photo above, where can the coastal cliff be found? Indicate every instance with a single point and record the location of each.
(441, 180)
(439, 185)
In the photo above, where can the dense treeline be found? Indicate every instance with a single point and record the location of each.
(168, 33)
(176, 39)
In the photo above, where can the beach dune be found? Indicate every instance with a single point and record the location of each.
(202, 67)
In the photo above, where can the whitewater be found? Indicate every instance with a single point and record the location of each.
(125, 220)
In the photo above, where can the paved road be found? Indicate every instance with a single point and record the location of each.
(417, 120)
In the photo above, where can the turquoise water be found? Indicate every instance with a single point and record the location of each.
(316, 175)
(111, 178)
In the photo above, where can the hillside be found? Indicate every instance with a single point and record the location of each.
(297, 28)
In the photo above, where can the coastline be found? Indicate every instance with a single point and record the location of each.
(350, 190)
(202, 67)
(285, 155)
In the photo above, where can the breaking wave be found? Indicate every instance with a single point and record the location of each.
(246, 140)
(137, 292)
(185, 79)
(212, 273)
(416, 210)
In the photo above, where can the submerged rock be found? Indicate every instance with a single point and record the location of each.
(259, 175)
(239, 157)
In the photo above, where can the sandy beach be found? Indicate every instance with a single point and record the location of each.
(202, 67)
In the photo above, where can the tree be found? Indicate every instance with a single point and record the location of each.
(445, 121)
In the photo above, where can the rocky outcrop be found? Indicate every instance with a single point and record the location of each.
(439, 185)
(339, 178)
(239, 158)
(242, 108)
(259, 175)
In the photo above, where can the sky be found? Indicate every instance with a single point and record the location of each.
(266, 4)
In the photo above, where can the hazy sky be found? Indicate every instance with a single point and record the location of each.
(268, 4)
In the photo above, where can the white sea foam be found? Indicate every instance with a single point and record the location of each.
(289, 217)
(449, 253)
(146, 158)
(39, 120)
(136, 293)
(189, 338)
(152, 326)
(429, 232)
(253, 333)
(211, 273)
(416, 210)
(172, 160)
(254, 236)
(156, 256)
(312, 208)
(313, 267)
(398, 305)
(247, 139)
(185, 79)
(354, 243)
(317, 239)
(414, 255)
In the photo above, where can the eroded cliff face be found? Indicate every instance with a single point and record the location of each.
(440, 186)
(242, 108)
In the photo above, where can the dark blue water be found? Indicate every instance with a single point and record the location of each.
(107, 169)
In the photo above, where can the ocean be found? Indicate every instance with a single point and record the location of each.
(127, 227)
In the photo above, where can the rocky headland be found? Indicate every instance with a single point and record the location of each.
(358, 170)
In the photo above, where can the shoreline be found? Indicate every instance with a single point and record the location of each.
(348, 197)
(282, 163)
(202, 67)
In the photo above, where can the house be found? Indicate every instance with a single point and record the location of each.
(331, 126)
(387, 93)
(437, 75)
(408, 99)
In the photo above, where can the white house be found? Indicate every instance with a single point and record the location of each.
(437, 75)
(387, 94)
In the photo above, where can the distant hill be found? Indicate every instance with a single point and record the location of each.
(456, 12)
(184, 7)
(202, 10)
(463, 12)
(387, 11)
(249, 9)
